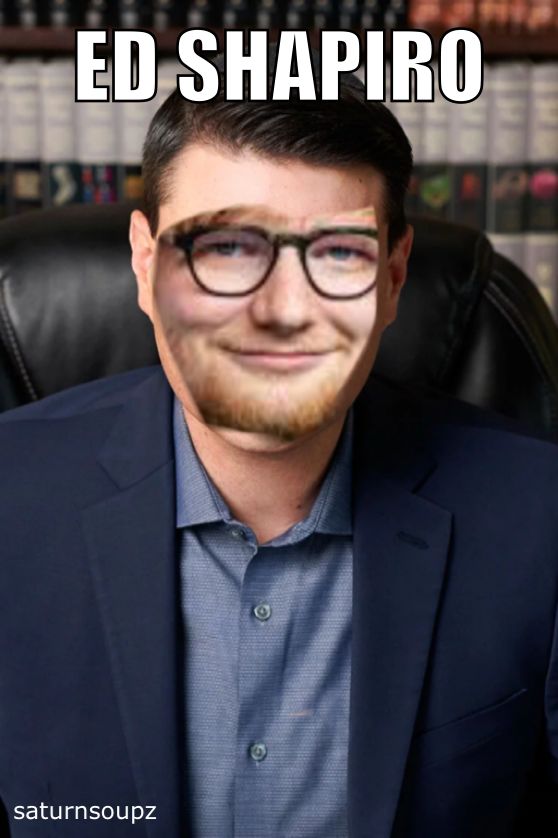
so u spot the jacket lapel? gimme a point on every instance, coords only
(131, 541)
(400, 544)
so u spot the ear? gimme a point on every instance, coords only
(143, 253)
(397, 273)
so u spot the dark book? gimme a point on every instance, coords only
(132, 14)
(468, 145)
(236, 14)
(298, 14)
(541, 258)
(395, 14)
(434, 189)
(508, 91)
(372, 14)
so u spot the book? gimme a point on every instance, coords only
(507, 158)
(468, 152)
(457, 14)
(3, 127)
(60, 172)
(425, 14)
(96, 146)
(433, 170)
(410, 115)
(541, 251)
(23, 171)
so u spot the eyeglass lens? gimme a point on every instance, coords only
(235, 260)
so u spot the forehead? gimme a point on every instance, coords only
(203, 179)
(260, 214)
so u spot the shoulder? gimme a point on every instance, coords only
(433, 408)
(453, 431)
(59, 435)
(102, 394)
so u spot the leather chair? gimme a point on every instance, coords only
(470, 323)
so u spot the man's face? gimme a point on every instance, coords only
(281, 362)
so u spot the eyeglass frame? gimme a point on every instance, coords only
(184, 241)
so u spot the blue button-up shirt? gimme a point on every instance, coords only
(267, 642)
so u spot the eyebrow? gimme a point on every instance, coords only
(260, 215)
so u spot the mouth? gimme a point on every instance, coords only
(277, 360)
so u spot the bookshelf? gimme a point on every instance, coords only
(50, 41)
(492, 164)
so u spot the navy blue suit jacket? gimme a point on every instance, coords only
(454, 690)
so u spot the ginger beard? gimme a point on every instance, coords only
(196, 331)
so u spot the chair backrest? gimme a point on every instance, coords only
(470, 323)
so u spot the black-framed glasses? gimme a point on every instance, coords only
(340, 263)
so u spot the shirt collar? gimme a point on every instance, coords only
(198, 500)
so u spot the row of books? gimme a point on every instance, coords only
(508, 15)
(512, 16)
(490, 164)
(493, 164)
(163, 14)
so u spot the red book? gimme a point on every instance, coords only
(460, 13)
(519, 12)
(425, 14)
(541, 15)
(494, 14)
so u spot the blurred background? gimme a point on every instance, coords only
(491, 164)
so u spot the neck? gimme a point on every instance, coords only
(269, 491)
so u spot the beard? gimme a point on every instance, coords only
(285, 406)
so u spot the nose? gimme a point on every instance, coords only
(286, 301)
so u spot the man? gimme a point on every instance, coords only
(257, 593)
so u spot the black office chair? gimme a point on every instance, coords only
(470, 323)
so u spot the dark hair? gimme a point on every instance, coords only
(348, 131)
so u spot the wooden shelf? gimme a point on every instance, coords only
(51, 41)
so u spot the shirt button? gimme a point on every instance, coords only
(262, 612)
(258, 751)
(237, 533)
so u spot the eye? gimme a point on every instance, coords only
(341, 253)
(226, 245)
(345, 250)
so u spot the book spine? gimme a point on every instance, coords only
(410, 115)
(131, 14)
(268, 15)
(468, 144)
(518, 14)
(23, 135)
(493, 14)
(434, 187)
(95, 124)
(60, 170)
(298, 13)
(132, 119)
(540, 16)
(164, 15)
(25, 13)
(507, 155)
(424, 14)
(542, 196)
(60, 13)
(3, 127)
(372, 15)
(395, 14)
(98, 14)
(459, 14)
